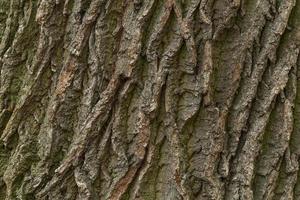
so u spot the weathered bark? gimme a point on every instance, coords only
(150, 99)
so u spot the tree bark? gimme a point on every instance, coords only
(149, 99)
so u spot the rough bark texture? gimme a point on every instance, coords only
(149, 99)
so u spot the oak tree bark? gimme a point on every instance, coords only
(149, 99)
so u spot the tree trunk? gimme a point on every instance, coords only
(149, 99)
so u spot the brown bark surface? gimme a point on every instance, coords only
(149, 99)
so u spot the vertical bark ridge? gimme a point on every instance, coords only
(149, 99)
(249, 82)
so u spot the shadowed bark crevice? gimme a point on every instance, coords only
(149, 99)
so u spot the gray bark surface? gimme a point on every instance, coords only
(149, 99)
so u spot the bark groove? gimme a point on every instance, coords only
(149, 99)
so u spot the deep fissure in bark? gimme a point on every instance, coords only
(149, 99)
